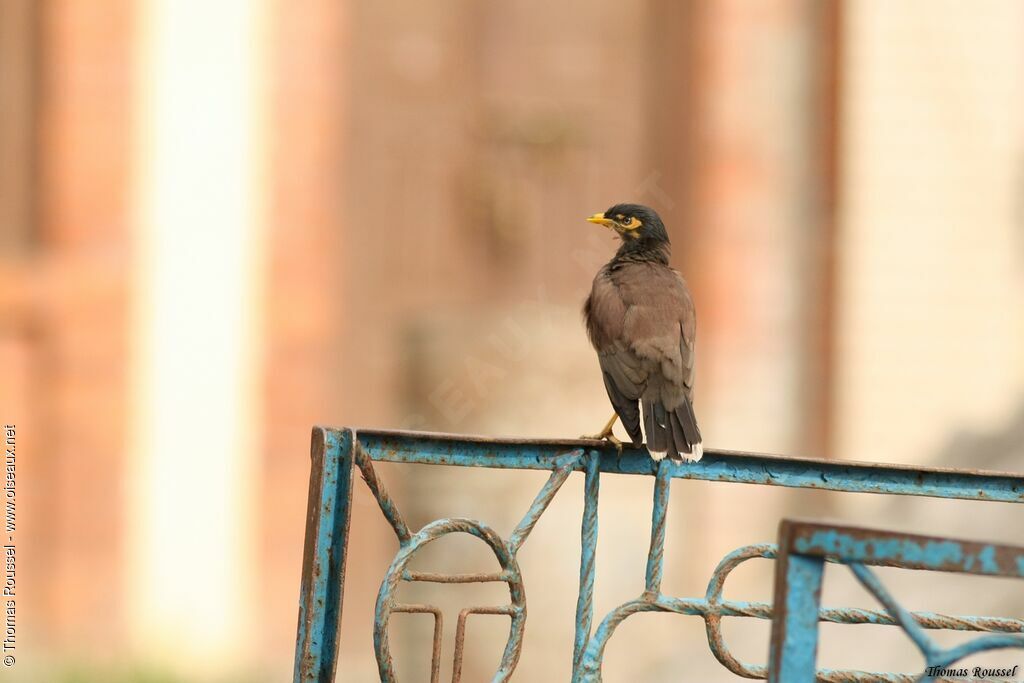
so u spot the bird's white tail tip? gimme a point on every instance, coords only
(694, 456)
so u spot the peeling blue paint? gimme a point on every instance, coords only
(938, 554)
(795, 624)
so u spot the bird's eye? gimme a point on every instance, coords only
(629, 222)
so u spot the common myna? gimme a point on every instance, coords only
(641, 321)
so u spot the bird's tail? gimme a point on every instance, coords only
(672, 432)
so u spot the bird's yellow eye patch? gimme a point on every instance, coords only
(618, 222)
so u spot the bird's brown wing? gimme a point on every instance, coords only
(624, 380)
(605, 313)
(647, 354)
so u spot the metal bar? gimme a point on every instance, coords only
(717, 465)
(659, 511)
(841, 615)
(796, 616)
(794, 645)
(763, 610)
(934, 655)
(846, 615)
(544, 497)
(909, 551)
(902, 616)
(700, 607)
(998, 641)
(460, 633)
(328, 515)
(387, 506)
(432, 577)
(435, 656)
(588, 553)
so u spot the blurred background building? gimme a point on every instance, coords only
(221, 223)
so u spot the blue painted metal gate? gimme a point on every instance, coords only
(800, 554)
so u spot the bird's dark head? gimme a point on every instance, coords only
(639, 227)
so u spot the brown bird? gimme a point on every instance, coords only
(641, 321)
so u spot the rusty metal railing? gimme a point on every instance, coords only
(804, 547)
(338, 453)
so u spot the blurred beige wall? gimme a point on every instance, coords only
(932, 258)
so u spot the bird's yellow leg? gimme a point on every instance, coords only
(606, 434)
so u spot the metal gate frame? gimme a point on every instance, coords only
(336, 453)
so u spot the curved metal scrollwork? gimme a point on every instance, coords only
(504, 551)
(396, 572)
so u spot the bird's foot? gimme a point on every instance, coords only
(606, 436)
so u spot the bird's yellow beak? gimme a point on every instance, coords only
(600, 219)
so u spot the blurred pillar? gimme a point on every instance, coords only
(305, 301)
(197, 286)
(23, 330)
(18, 38)
(742, 143)
(83, 101)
